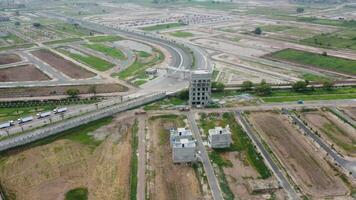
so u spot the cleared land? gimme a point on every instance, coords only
(59, 90)
(92, 157)
(67, 67)
(332, 63)
(310, 172)
(90, 60)
(166, 180)
(335, 130)
(22, 73)
(9, 58)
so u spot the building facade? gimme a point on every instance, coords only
(200, 88)
(219, 137)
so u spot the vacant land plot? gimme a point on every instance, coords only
(92, 157)
(332, 63)
(67, 40)
(350, 111)
(72, 29)
(166, 180)
(335, 130)
(275, 28)
(9, 58)
(12, 39)
(161, 26)
(183, 34)
(90, 60)
(60, 90)
(22, 73)
(310, 172)
(110, 51)
(67, 67)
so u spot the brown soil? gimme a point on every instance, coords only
(9, 58)
(350, 111)
(341, 134)
(303, 162)
(58, 90)
(167, 180)
(67, 67)
(49, 171)
(22, 73)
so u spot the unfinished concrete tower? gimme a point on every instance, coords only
(219, 137)
(200, 88)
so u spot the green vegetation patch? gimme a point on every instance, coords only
(20, 46)
(74, 29)
(275, 28)
(110, 51)
(162, 26)
(77, 194)
(183, 34)
(331, 22)
(105, 38)
(337, 64)
(67, 40)
(345, 39)
(134, 161)
(92, 61)
(13, 39)
(314, 77)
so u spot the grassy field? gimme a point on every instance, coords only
(105, 38)
(67, 40)
(275, 28)
(77, 194)
(19, 46)
(161, 26)
(110, 51)
(92, 61)
(13, 39)
(331, 22)
(182, 34)
(134, 162)
(72, 29)
(314, 77)
(337, 64)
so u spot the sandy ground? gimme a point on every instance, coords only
(303, 162)
(166, 180)
(67, 67)
(58, 90)
(49, 171)
(341, 134)
(9, 58)
(22, 73)
(350, 111)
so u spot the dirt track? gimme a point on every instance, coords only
(302, 161)
(9, 58)
(49, 171)
(67, 67)
(169, 181)
(22, 73)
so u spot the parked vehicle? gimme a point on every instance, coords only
(60, 110)
(25, 119)
(300, 102)
(7, 124)
(43, 114)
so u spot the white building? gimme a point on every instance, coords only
(219, 137)
(183, 151)
(180, 133)
(200, 88)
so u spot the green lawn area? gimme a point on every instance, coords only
(139, 82)
(314, 77)
(72, 29)
(275, 28)
(182, 34)
(110, 51)
(67, 40)
(161, 26)
(105, 38)
(143, 54)
(337, 64)
(13, 39)
(19, 46)
(345, 39)
(92, 61)
(317, 94)
(77, 194)
(332, 22)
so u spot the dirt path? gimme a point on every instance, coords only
(302, 161)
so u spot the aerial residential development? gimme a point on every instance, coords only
(177, 99)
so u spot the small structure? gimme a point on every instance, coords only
(200, 88)
(262, 186)
(4, 18)
(183, 145)
(219, 137)
(151, 71)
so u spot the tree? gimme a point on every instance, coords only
(300, 10)
(246, 86)
(37, 25)
(258, 31)
(328, 84)
(217, 86)
(324, 53)
(73, 92)
(17, 23)
(263, 89)
(300, 86)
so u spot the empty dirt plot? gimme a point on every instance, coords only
(304, 164)
(67, 67)
(9, 58)
(22, 73)
(53, 167)
(341, 134)
(167, 181)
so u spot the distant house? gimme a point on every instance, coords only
(219, 137)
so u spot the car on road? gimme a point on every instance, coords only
(300, 102)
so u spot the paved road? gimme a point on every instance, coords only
(346, 164)
(267, 158)
(141, 173)
(209, 170)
